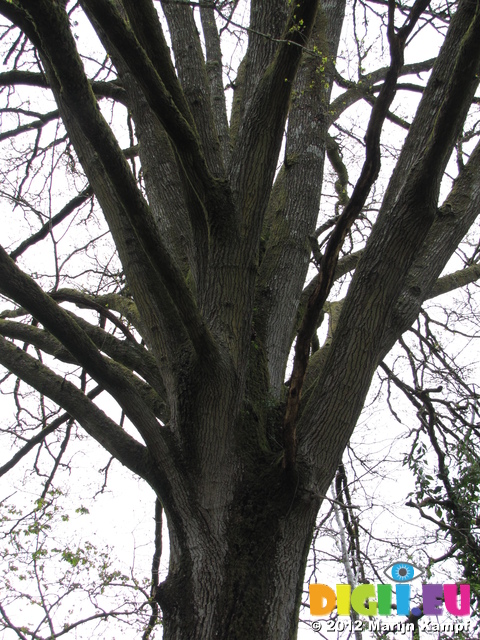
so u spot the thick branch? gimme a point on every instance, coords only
(169, 187)
(132, 357)
(31, 79)
(114, 439)
(143, 19)
(267, 24)
(292, 210)
(30, 334)
(87, 302)
(454, 281)
(454, 218)
(74, 92)
(367, 327)
(254, 157)
(215, 75)
(154, 314)
(192, 74)
(352, 209)
(21, 288)
(180, 130)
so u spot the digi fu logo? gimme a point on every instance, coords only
(372, 600)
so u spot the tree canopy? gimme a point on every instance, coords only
(220, 220)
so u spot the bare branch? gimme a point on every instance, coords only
(69, 208)
(40, 437)
(369, 174)
(122, 446)
(76, 94)
(26, 292)
(102, 89)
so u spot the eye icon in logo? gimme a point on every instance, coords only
(403, 572)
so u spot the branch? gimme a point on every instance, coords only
(155, 571)
(368, 175)
(455, 280)
(372, 317)
(190, 65)
(344, 265)
(73, 93)
(132, 357)
(259, 140)
(266, 28)
(36, 124)
(452, 222)
(21, 288)
(208, 199)
(114, 439)
(135, 358)
(10, 624)
(176, 122)
(164, 331)
(101, 88)
(400, 122)
(86, 302)
(366, 85)
(144, 22)
(69, 208)
(38, 337)
(40, 437)
(292, 210)
(96, 616)
(214, 68)
(166, 180)
(124, 305)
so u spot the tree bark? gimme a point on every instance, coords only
(214, 245)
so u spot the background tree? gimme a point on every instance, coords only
(185, 313)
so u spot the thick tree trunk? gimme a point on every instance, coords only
(241, 577)
(215, 262)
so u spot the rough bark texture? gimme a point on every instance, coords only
(215, 253)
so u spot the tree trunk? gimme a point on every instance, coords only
(241, 576)
(215, 261)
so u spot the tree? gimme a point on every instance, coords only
(191, 335)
